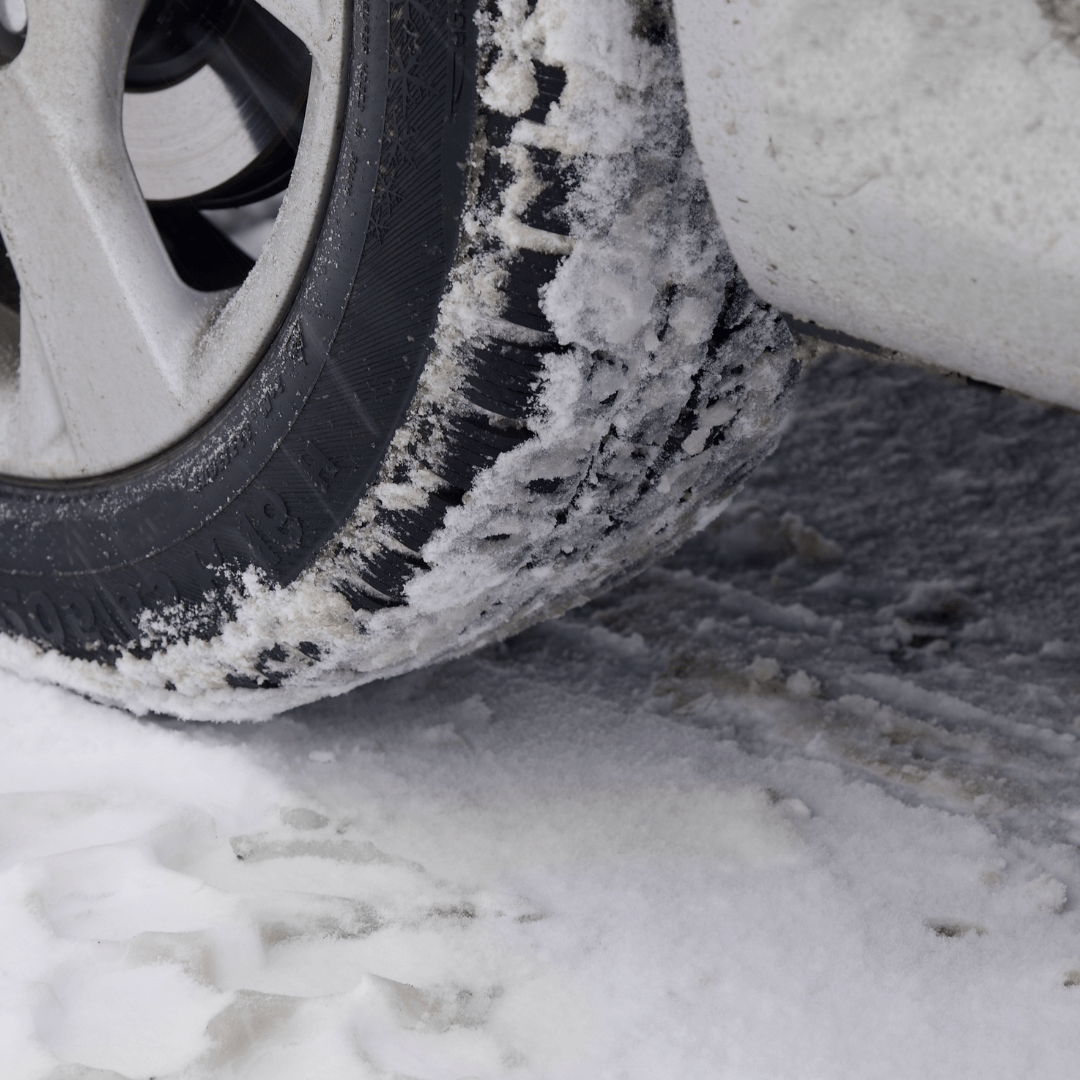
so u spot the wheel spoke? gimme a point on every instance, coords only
(39, 427)
(109, 319)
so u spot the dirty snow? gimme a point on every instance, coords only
(801, 801)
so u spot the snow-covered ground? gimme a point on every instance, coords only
(801, 802)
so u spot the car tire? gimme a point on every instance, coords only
(519, 364)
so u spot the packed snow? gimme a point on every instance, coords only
(801, 801)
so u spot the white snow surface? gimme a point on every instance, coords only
(801, 801)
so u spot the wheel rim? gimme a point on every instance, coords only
(132, 327)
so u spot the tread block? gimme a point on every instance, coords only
(474, 445)
(550, 83)
(360, 600)
(414, 527)
(534, 268)
(496, 178)
(499, 128)
(505, 377)
(507, 356)
(487, 439)
(547, 211)
(387, 571)
(501, 400)
(529, 272)
(492, 377)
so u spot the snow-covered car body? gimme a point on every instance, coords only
(902, 171)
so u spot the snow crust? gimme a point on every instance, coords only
(802, 800)
(645, 279)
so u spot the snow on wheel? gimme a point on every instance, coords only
(493, 357)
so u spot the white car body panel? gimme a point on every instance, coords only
(906, 172)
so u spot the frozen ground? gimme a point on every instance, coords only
(801, 802)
